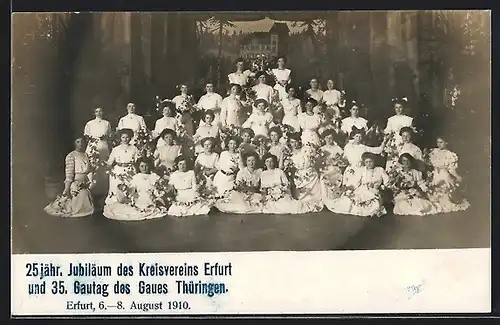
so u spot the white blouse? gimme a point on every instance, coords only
(97, 128)
(317, 95)
(331, 97)
(396, 122)
(332, 150)
(444, 159)
(376, 176)
(228, 161)
(354, 151)
(123, 154)
(349, 122)
(246, 177)
(207, 161)
(165, 123)
(291, 107)
(132, 121)
(282, 74)
(183, 180)
(272, 178)
(264, 91)
(210, 101)
(166, 155)
(309, 122)
(239, 78)
(259, 122)
(412, 149)
(230, 113)
(205, 130)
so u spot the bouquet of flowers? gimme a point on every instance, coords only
(126, 194)
(228, 131)
(339, 161)
(143, 143)
(318, 158)
(187, 105)
(250, 95)
(93, 154)
(288, 165)
(392, 148)
(162, 193)
(274, 193)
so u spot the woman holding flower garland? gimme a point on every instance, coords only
(444, 180)
(276, 147)
(246, 198)
(206, 162)
(354, 120)
(333, 100)
(142, 198)
(398, 121)
(211, 101)
(132, 122)
(310, 122)
(335, 164)
(185, 105)
(76, 200)
(314, 92)
(227, 166)
(362, 196)
(406, 146)
(168, 121)
(276, 191)
(231, 107)
(98, 131)
(291, 108)
(187, 200)
(283, 77)
(121, 161)
(206, 130)
(260, 120)
(306, 181)
(165, 155)
(409, 189)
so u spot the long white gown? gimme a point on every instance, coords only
(142, 206)
(331, 176)
(282, 76)
(353, 153)
(227, 166)
(187, 200)
(307, 185)
(291, 109)
(332, 101)
(246, 198)
(98, 130)
(123, 157)
(231, 111)
(364, 198)
(278, 198)
(444, 184)
(80, 203)
(310, 125)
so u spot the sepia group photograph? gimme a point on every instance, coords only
(158, 132)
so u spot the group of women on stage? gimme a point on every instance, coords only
(260, 149)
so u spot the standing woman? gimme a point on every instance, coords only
(240, 76)
(185, 104)
(314, 91)
(283, 77)
(211, 101)
(262, 89)
(398, 120)
(168, 121)
(76, 200)
(333, 100)
(132, 122)
(231, 107)
(121, 161)
(98, 131)
(309, 122)
(291, 108)
(354, 120)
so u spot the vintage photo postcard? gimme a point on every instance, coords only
(184, 163)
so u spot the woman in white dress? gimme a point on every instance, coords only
(185, 105)
(310, 122)
(314, 91)
(276, 147)
(246, 198)
(240, 76)
(262, 90)
(406, 146)
(409, 189)
(76, 200)
(283, 77)
(132, 122)
(291, 108)
(121, 161)
(209, 129)
(354, 150)
(445, 182)
(333, 100)
(363, 194)
(306, 181)
(227, 167)
(232, 108)
(164, 156)
(211, 101)
(331, 175)
(260, 120)
(98, 133)
(168, 121)
(205, 165)
(354, 120)
(187, 199)
(398, 121)
(276, 190)
(142, 198)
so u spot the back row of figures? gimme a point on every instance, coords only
(281, 171)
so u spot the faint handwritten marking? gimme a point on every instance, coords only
(414, 290)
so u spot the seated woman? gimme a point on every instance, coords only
(309, 122)
(227, 166)
(444, 181)
(205, 130)
(406, 146)
(187, 200)
(260, 120)
(246, 145)
(275, 188)
(306, 182)
(76, 200)
(206, 162)
(409, 189)
(362, 196)
(142, 198)
(246, 198)
(336, 163)
(165, 155)
(276, 147)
